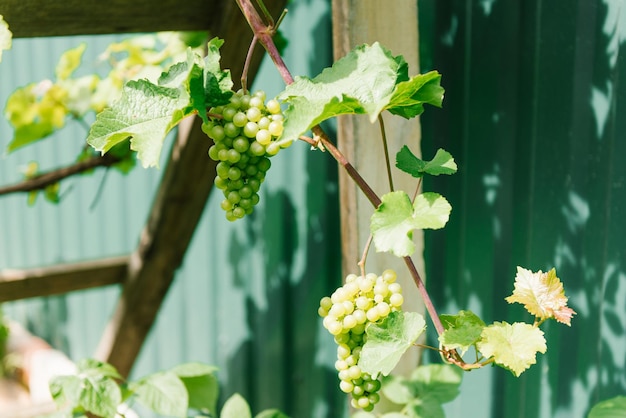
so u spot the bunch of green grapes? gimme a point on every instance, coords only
(245, 133)
(347, 312)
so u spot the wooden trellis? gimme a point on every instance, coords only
(147, 273)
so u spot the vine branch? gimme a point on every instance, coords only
(264, 35)
(43, 180)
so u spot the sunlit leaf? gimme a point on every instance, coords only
(461, 330)
(162, 392)
(394, 220)
(69, 61)
(368, 80)
(512, 346)
(542, 295)
(145, 113)
(236, 407)
(5, 36)
(387, 341)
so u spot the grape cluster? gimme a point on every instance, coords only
(347, 312)
(245, 133)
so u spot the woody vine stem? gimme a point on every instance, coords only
(263, 33)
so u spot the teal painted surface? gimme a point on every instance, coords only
(534, 115)
(246, 297)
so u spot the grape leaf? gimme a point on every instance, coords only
(442, 163)
(217, 82)
(462, 330)
(439, 382)
(388, 340)
(5, 36)
(236, 407)
(100, 396)
(69, 62)
(201, 383)
(409, 96)
(368, 80)
(542, 295)
(145, 113)
(162, 392)
(609, 408)
(512, 346)
(97, 368)
(394, 220)
(270, 413)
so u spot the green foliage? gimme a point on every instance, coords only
(420, 395)
(393, 222)
(462, 330)
(367, 80)
(442, 163)
(5, 36)
(388, 341)
(147, 112)
(96, 389)
(609, 408)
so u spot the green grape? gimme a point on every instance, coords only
(245, 133)
(346, 313)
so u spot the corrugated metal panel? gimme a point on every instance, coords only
(533, 116)
(246, 297)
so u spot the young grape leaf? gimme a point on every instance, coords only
(512, 346)
(462, 330)
(100, 396)
(236, 407)
(145, 113)
(442, 163)
(201, 383)
(609, 408)
(397, 389)
(66, 389)
(217, 82)
(69, 62)
(162, 392)
(393, 222)
(439, 382)
(271, 413)
(542, 295)
(409, 96)
(5, 36)
(388, 340)
(368, 80)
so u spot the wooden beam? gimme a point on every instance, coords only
(395, 27)
(61, 278)
(30, 18)
(175, 213)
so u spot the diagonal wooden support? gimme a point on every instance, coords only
(175, 213)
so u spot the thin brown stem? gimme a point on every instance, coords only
(383, 134)
(246, 65)
(264, 36)
(361, 262)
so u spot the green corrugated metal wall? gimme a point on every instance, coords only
(533, 114)
(246, 296)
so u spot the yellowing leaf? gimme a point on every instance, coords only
(69, 62)
(512, 346)
(542, 295)
(5, 36)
